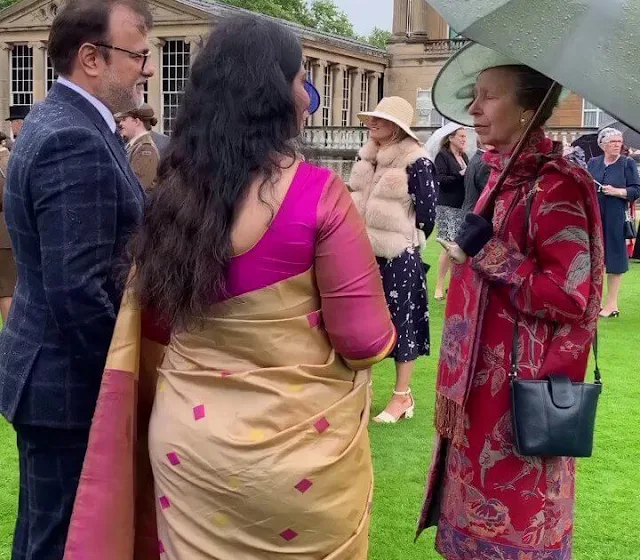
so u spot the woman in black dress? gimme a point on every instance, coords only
(394, 190)
(618, 185)
(451, 166)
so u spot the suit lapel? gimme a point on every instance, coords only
(119, 153)
(61, 93)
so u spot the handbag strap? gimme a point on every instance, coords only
(513, 374)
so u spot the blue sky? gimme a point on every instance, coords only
(367, 14)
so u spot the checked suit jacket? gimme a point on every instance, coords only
(71, 201)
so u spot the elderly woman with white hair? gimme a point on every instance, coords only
(618, 184)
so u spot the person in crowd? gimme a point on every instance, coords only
(576, 155)
(451, 165)
(262, 267)
(161, 141)
(393, 188)
(17, 114)
(539, 276)
(475, 178)
(7, 264)
(135, 126)
(71, 202)
(618, 185)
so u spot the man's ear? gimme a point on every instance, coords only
(90, 60)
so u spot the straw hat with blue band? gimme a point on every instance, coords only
(314, 95)
(452, 91)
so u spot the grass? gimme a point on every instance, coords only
(608, 493)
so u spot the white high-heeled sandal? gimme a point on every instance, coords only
(385, 418)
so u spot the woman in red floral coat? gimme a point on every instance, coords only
(488, 501)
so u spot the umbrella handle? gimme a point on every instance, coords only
(487, 209)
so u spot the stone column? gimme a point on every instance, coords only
(419, 17)
(39, 50)
(356, 94)
(436, 26)
(5, 83)
(338, 93)
(374, 80)
(155, 82)
(318, 71)
(195, 44)
(400, 18)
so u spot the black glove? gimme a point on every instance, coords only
(474, 233)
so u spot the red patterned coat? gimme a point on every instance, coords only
(494, 503)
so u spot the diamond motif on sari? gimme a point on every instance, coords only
(161, 549)
(315, 319)
(198, 412)
(164, 502)
(288, 535)
(303, 485)
(322, 425)
(173, 458)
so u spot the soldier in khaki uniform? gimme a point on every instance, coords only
(7, 265)
(135, 127)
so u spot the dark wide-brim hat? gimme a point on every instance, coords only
(18, 112)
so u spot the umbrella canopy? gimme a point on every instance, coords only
(589, 144)
(588, 46)
(631, 137)
(434, 142)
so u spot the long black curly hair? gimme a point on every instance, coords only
(237, 120)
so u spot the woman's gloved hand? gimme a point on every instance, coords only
(474, 233)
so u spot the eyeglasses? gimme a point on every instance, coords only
(143, 55)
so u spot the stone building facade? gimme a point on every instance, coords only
(348, 74)
(351, 76)
(423, 41)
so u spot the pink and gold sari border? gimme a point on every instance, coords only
(366, 363)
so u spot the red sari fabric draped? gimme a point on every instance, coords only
(490, 502)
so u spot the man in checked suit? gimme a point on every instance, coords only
(71, 201)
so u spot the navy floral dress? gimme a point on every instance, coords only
(403, 277)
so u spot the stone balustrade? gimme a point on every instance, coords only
(568, 135)
(335, 140)
(338, 141)
(445, 47)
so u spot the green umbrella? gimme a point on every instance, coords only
(588, 46)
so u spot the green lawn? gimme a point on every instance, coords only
(608, 504)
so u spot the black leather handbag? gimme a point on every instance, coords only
(629, 226)
(552, 417)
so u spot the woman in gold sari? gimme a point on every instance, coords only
(260, 262)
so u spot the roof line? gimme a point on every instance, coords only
(213, 7)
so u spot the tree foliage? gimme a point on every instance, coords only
(378, 38)
(291, 10)
(6, 3)
(326, 16)
(323, 15)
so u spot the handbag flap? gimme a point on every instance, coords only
(561, 390)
